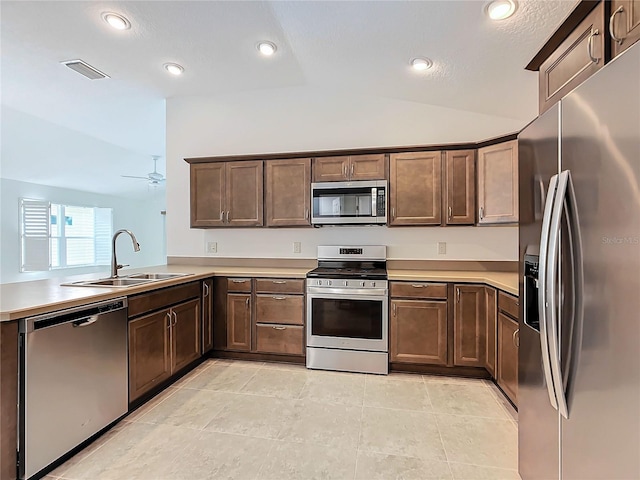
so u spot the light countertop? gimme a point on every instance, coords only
(22, 299)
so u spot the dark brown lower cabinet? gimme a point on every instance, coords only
(8, 396)
(239, 322)
(283, 339)
(207, 315)
(418, 332)
(185, 334)
(149, 352)
(469, 326)
(507, 368)
(492, 310)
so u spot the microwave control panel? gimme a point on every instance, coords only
(381, 205)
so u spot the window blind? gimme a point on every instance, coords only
(35, 217)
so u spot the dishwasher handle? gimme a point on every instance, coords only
(81, 316)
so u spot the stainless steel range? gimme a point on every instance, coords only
(348, 310)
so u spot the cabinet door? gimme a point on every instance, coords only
(149, 352)
(185, 334)
(331, 169)
(207, 194)
(288, 192)
(507, 375)
(416, 188)
(576, 59)
(244, 194)
(239, 322)
(492, 311)
(469, 326)
(461, 187)
(626, 24)
(367, 167)
(207, 315)
(418, 332)
(498, 183)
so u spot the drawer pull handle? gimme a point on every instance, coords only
(590, 46)
(516, 338)
(616, 39)
(279, 298)
(238, 281)
(417, 285)
(279, 328)
(247, 302)
(280, 281)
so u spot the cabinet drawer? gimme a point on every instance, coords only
(508, 304)
(284, 339)
(239, 284)
(280, 309)
(419, 290)
(572, 63)
(280, 285)
(165, 297)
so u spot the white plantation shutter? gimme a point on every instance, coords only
(35, 218)
(103, 231)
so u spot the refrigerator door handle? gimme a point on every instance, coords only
(542, 297)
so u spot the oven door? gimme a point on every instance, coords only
(349, 320)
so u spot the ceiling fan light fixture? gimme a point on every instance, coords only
(174, 68)
(267, 48)
(117, 21)
(501, 9)
(421, 63)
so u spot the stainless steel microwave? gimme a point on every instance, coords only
(349, 203)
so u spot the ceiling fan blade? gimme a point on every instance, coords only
(132, 176)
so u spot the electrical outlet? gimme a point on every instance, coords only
(442, 248)
(297, 247)
(212, 247)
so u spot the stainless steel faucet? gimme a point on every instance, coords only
(114, 262)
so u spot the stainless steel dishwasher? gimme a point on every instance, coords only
(73, 379)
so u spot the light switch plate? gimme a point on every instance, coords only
(297, 247)
(442, 248)
(212, 247)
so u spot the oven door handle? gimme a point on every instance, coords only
(352, 294)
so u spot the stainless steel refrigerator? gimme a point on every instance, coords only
(579, 357)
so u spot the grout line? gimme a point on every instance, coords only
(486, 466)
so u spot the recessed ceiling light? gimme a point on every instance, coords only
(174, 68)
(116, 20)
(501, 9)
(267, 48)
(421, 63)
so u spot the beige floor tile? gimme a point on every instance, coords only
(401, 432)
(277, 383)
(409, 377)
(151, 404)
(223, 377)
(502, 400)
(252, 415)
(293, 367)
(465, 400)
(305, 461)
(141, 452)
(462, 471)
(193, 373)
(334, 387)
(238, 363)
(188, 408)
(488, 442)
(323, 424)
(214, 455)
(379, 466)
(391, 392)
(453, 380)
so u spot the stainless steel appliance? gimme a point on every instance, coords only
(579, 359)
(344, 203)
(73, 380)
(348, 310)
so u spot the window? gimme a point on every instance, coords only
(64, 236)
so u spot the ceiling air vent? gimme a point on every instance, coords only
(85, 69)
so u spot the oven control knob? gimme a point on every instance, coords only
(362, 284)
(328, 282)
(373, 284)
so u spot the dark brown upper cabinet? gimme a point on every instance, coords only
(498, 183)
(415, 188)
(460, 193)
(288, 192)
(227, 194)
(625, 25)
(347, 168)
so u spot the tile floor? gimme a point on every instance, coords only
(247, 420)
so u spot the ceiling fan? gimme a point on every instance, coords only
(154, 178)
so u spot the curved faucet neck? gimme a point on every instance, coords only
(114, 262)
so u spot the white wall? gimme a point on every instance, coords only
(142, 217)
(296, 119)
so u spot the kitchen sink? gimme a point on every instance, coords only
(127, 281)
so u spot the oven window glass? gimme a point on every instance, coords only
(354, 202)
(346, 318)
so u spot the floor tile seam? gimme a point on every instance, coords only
(500, 401)
(354, 447)
(473, 416)
(264, 460)
(383, 452)
(238, 434)
(444, 449)
(162, 393)
(396, 409)
(505, 415)
(478, 465)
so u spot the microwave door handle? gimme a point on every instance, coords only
(542, 291)
(374, 195)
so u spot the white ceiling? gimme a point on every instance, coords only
(362, 47)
